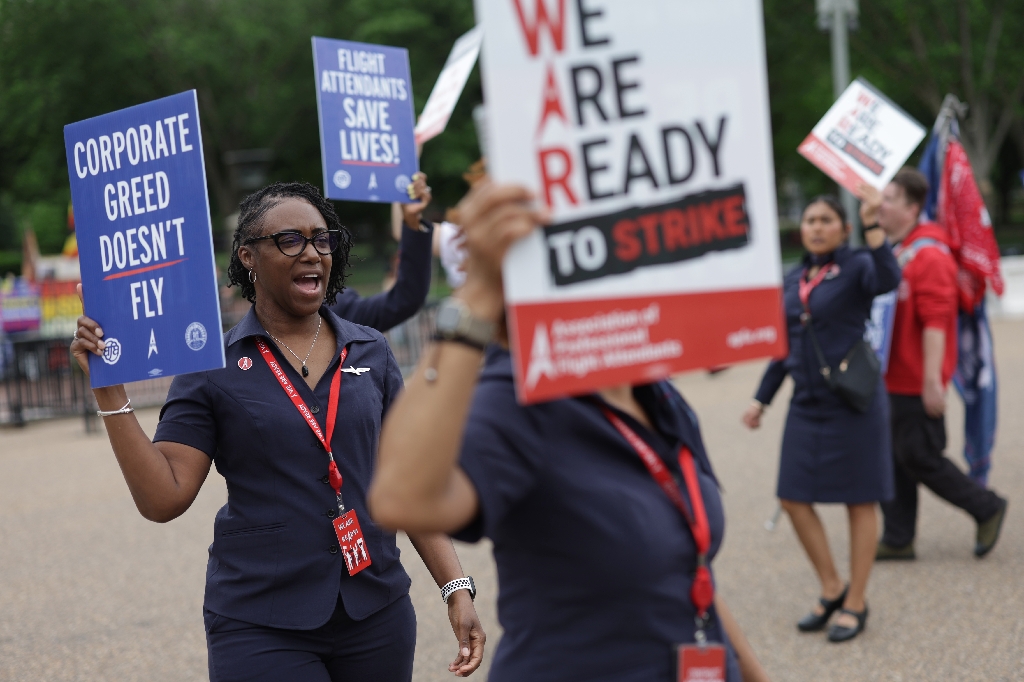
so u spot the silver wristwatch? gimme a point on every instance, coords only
(454, 322)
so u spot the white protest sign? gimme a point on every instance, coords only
(643, 125)
(449, 85)
(864, 137)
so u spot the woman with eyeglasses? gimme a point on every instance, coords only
(301, 584)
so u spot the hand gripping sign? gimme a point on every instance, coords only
(364, 103)
(145, 243)
(643, 125)
(864, 137)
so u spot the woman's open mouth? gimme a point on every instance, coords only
(308, 284)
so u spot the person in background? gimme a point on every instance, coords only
(301, 584)
(596, 554)
(922, 359)
(412, 283)
(830, 452)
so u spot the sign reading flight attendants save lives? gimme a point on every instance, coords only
(145, 243)
(643, 125)
(864, 137)
(364, 102)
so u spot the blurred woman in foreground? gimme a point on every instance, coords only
(830, 452)
(603, 509)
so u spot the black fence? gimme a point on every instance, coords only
(40, 379)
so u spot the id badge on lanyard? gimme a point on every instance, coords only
(701, 661)
(351, 542)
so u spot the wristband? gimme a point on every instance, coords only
(761, 406)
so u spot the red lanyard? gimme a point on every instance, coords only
(703, 591)
(334, 476)
(807, 287)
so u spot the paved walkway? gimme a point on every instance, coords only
(91, 591)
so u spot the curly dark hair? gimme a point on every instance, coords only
(254, 209)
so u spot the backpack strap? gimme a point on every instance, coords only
(906, 254)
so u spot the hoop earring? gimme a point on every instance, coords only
(252, 277)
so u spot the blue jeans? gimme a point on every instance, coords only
(379, 648)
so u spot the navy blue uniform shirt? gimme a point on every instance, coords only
(391, 308)
(274, 559)
(594, 561)
(840, 306)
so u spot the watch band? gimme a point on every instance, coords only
(459, 584)
(455, 322)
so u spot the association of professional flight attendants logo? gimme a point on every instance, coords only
(111, 351)
(195, 336)
(244, 363)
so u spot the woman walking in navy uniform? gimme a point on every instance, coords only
(301, 584)
(830, 452)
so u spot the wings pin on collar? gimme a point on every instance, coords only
(355, 370)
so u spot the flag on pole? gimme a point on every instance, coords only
(955, 203)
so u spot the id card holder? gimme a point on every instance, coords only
(701, 663)
(352, 542)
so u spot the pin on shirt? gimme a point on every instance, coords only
(355, 370)
(244, 363)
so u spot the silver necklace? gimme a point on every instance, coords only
(305, 370)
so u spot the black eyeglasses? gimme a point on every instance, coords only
(293, 243)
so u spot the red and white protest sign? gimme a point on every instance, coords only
(643, 125)
(449, 85)
(864, 137)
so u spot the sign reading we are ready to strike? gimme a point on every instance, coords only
(864, 137)
(145, 243)
(643, 125)
(364, 103)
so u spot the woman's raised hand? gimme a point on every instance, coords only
(88, 339)
(493, 218)
(420, 191)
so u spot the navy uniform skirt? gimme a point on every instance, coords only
(832, 454)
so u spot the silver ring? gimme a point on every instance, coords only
(76, 336)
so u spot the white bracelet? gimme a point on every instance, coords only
(127, 409)
(459, 584)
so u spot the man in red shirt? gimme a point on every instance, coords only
(922, 359)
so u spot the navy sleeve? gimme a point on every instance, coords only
(188, 415)
(500, 448)
(771, 381)
(391, 308)
(882, 273)
(393, 382)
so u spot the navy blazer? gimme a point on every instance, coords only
(274, 560)
(391, 308)
(840, 308)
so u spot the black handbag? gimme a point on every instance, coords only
(856, 378)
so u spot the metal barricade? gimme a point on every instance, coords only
(41, 381)
(408, 339)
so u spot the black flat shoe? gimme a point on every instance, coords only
(813, 622)
(841, 633)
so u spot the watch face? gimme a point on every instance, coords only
(472, 587)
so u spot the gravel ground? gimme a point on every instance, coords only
(91, 591)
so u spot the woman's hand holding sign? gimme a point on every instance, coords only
(88, 339)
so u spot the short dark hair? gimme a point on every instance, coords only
(914, 184)
(254, 209)
(832, 202)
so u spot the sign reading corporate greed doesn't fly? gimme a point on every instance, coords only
(364, 102)
(643, 125)
(138, 186)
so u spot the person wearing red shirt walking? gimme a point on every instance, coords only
(922, 359)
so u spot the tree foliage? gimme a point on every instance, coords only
(251, 64)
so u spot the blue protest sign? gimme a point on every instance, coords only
(145, 243)
(878, 330)
(364, 103)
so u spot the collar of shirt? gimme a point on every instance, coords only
(344, 331)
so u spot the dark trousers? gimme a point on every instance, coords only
(918, 442)
(379, 648)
